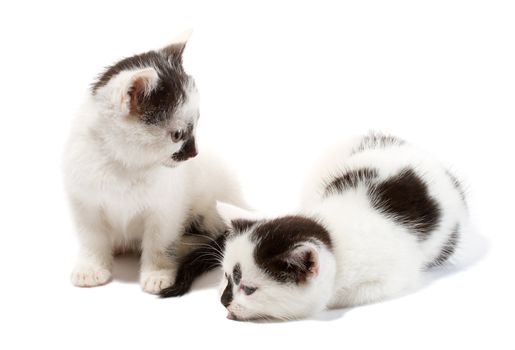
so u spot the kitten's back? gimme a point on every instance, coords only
(402, 183)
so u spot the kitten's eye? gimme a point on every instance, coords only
(248, 290)
(177, 135)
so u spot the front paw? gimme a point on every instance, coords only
(90, 276)
(155, 281)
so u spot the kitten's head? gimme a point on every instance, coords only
(148, 108)
(278, 268)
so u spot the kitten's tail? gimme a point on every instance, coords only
(195, 264)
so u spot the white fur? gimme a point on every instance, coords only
(373, 257)
(125, 190)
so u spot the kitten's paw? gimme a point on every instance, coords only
(155, 281)
(90, 276)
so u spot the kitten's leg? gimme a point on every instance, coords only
(158, 268)
(94, 264)
(194, 265)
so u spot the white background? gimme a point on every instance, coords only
(278, 82)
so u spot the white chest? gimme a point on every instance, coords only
(127, 199)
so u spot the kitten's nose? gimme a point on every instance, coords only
(188, 150)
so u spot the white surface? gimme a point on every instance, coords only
(277, 82)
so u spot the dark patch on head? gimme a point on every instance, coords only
(405, 198)
(457, 184)
(157, 106)
(275, 239)
(236, 274)
(377, 140)
(351, 179)
(448, 248)
(227, 296)
(187, 151)
(195, 264)
(242, 225)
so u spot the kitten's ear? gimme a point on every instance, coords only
(175, 50)
(233, 215)
(133, 86)
(303, 262)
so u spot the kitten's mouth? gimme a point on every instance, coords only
(170, 163)
(181, 156)
(232, 316)
(176, 157)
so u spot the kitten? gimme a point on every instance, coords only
(129, 172)
(375, 214)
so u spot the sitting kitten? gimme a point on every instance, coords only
(376, 213)
(126, 174)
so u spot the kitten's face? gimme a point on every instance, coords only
(150, 108)
(272, 268)
(246, 291)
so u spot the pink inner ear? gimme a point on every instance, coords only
(135, 93)
(315, 266)
(310, 260)
(306, 258)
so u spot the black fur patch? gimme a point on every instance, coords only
(158, 106)
(242, 225)
(227, 296)
(405, 198)
(275, 239)
(377, 140)
(194, 265)
(448, 248)
(236, 274)
(351, 179)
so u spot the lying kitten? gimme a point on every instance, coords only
(376, 213)
(126, 173)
